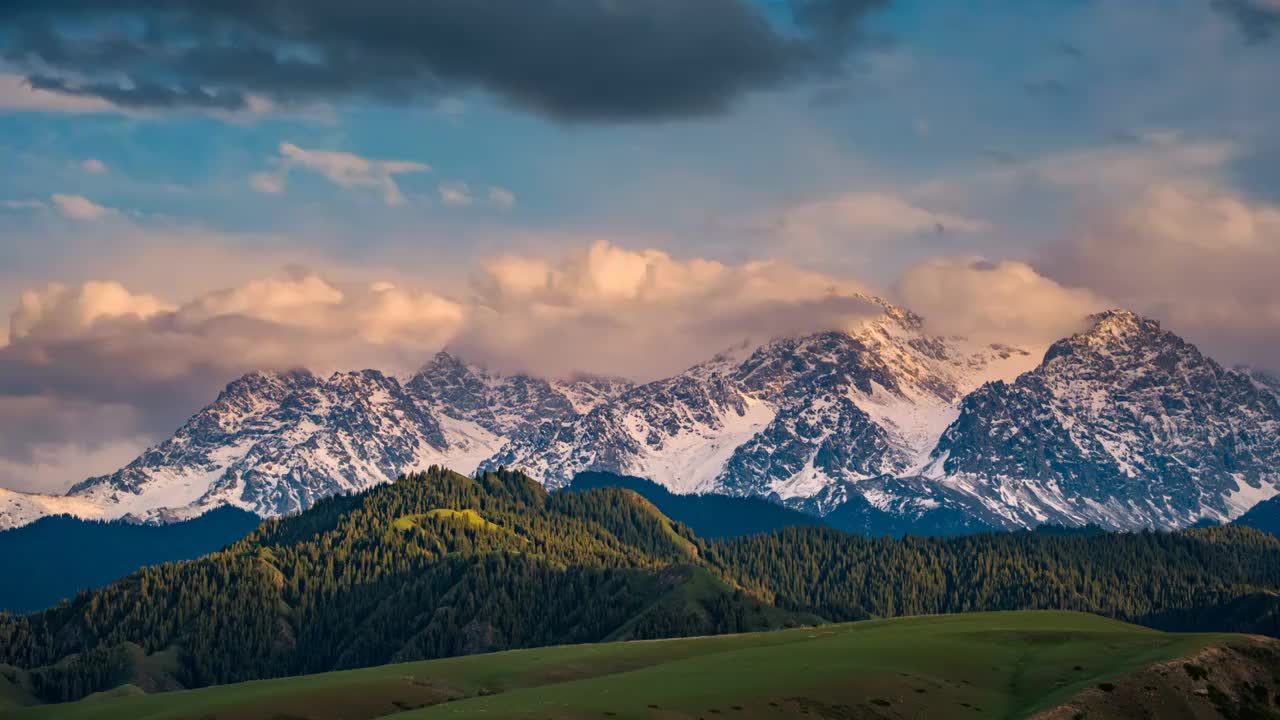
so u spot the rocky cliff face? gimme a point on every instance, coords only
(1125, 425)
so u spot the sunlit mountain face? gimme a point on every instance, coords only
(912, 264)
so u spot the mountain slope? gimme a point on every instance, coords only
(1124, 425)
(274, 443)
(19, 508)
(788, 417)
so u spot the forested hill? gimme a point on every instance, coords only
(440, 564)
(432, 565)
(1219, 578)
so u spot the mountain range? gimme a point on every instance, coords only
(1123, 425)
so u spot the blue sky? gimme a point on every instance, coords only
(940, 90)
(1038, 159)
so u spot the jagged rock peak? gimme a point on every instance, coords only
(268, 383)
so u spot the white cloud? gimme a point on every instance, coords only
(856, 228)
(455, 194)
(16, 94)
(269, 183)
(502, 197)
(94, 166)
(78, 207)
(344, 169)
(55, 467)
(1063, 181)
(1204, 260)
(870, 214)
(59, 311)
(1007, 302)
(645, 314)
(1153, 156)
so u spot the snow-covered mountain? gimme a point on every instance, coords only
(274, 443)
(786, 419)
(1122, 425)
(19, 508)
(1125, 425)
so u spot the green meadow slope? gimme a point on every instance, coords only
(982, 665)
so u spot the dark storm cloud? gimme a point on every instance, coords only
(146, 95)
(1258, 19)
(575, 60)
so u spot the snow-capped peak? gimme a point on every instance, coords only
(1123, 424)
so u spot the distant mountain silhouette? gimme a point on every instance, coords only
(1264, 516)
(709, 516)
(56, 557)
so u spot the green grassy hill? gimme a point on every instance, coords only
(983, 665)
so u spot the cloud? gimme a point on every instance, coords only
(1205, 260)
(456, 194)
(502, 197)
(344, 169)
(1007, 302)
(17, 93)
(94, 166)
(874, 214)
(60, 312)
(78, 207)
(606, 309)
(588, 60)
(1257, 19)
(23, 204)
(50, 443)
(1132, 165)
(869, 222)
(460, 194)
(1047, 192)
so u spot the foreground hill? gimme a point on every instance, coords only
(999, 665)
(440, 564)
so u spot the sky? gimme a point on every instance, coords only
(194, 190)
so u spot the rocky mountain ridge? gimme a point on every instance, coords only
(1123, 425)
